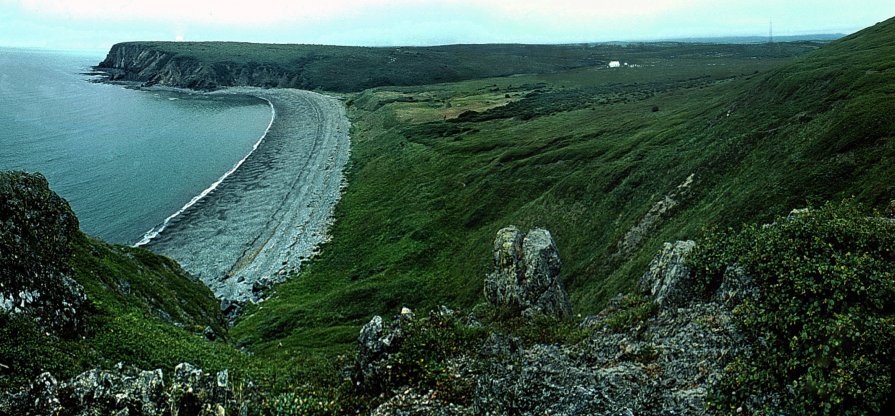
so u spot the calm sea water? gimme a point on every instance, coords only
(124, 159)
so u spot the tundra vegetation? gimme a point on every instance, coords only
(613, 161)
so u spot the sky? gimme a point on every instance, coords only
(97, 24)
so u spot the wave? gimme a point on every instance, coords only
(155, 231)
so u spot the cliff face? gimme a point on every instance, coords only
(142, 63)
(36, 229)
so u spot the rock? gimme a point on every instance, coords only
(798, 212)
(736, 286)
(664, 365)
(526, 274)
(411, 402)
(377, 342)
(130, 391)
(209, 333)
(499, 345)
(37, 228)
(231, 309)
(121, 390)
(38, 399)
(668, 279)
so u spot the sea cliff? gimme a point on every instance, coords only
(211, 65)
(142, 63)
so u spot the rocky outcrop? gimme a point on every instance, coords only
(660, 210)
(668, 280)
(526, 274)
(664, 361)
(36, 231)
(130, 391)
(142, 63)
(377, 342)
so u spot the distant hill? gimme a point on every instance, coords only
(820, 37)
(210, 65)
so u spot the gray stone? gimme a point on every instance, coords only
(377, 342)
(37, 228)
(668, 279)
(526, 274)
(129, 391)
(736, 286)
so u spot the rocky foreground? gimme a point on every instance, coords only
(661, 365)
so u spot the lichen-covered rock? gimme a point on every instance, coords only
(37, 399)
(129, 391)
(736, 286)
(103, 392)
(668, 279)
(664, 365)
(663, 361)
(377, 342)
(526, 274)
(194, 392)
(410, 402)
(36, 230)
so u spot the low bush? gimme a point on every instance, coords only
(823, 324)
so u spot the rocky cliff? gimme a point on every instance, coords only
(69, 302)
(139, 63)
(36, 231)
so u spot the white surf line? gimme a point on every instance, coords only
(155, 231)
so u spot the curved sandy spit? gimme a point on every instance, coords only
(274, 209)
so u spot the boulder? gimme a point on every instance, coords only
(526, 274)
(98, 391)
(126, 390)
(668, 279)
(736, 286)
(377, 343)
(37, 399)
(37, 228)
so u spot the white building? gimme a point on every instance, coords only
(615, 64)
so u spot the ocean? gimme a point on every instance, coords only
(124, 159)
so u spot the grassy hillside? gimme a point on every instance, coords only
(144, 310)
(613, 162)
(348, 68)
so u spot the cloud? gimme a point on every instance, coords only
(255, 12)
(209, 12)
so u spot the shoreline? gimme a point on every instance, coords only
(262, 219)
(155, 231)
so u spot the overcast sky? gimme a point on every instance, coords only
(97, 24)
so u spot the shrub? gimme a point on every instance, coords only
(292, 404)
(823, 326)
(429, 344)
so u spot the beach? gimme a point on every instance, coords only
(272, 210)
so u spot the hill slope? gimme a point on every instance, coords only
(613, 163)
(130, 305)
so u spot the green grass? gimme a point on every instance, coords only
(582, 154)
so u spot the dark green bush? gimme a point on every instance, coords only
(823, 326)
(422, 361)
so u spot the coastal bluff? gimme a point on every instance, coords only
(213, 65)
